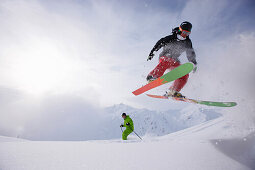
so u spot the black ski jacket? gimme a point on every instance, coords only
(173, 47)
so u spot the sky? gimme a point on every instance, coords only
(87, 55)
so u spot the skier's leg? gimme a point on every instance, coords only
(159, 69)
(179, 83)
(125, 134)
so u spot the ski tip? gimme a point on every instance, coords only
(149, 95)
(218, 104)
(230, 104)
(135, 93)
(189, 65)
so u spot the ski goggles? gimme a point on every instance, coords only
(184, 33)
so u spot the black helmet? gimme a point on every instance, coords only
(124, 114)
(186, 26)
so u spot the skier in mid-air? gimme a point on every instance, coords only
(173, 46)
(128, 123)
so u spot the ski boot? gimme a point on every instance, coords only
(150, 78)
(173, 93)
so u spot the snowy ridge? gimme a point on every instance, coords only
(78, 126)
(10, 139)
(156, 123)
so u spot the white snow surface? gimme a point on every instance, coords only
(202, 147)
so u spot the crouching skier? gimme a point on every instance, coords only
(128, 123)
(173, 46)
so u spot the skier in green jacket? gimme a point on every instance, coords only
(128, 123)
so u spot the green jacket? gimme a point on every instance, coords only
(130, 121)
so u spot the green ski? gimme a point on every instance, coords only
(208, 103)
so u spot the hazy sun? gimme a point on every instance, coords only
(39, 67)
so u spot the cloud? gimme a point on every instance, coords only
(64, 118)
(52, 117)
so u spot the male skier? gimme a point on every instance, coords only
(173, 46)
(128, 123)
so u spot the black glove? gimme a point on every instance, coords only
(150, 56)
(127, 124)
(121, 125)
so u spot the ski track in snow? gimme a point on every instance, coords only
(202, 147)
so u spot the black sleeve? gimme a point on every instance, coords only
(191, 55)
(161, 43)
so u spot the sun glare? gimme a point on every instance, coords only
(40, 68)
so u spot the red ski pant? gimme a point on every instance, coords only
(169, 63)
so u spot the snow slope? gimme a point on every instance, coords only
(10, 139)
(151, 122)
(202, 147)
(74, 124)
